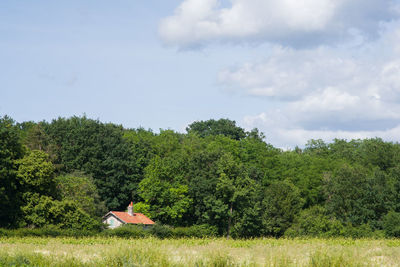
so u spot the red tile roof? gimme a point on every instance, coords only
(137, 218)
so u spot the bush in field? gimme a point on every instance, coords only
(42, 211)
(47, 231)
(128, 231)
(362, 231)
(161, 231)
(199, 231)
(391, 224)
(315, 222)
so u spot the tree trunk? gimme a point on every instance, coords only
(229, 221)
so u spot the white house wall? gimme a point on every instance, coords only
(112, 222)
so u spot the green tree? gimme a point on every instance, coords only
(80, 188)
(315, 222)
(346, 193)
(217, 127)
(317, 147)
(10, 151)
(43, 210)
(281, 204)
(232, 188)
(143, 146)
(341, 149)
(391, 224)
(36, 173)
(35, 138)
(99, 150)
(394, 187)
(304, 170)
(376, 152)
(165, 190)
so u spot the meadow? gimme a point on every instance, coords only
(101, 251)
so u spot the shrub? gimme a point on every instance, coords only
(42, 211)
(161, 231)
(314, 222)
(128, 231)
(391, 224)
(47, 231)
(362, 231)
(198, 231)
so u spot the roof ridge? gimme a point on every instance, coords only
(125, 217)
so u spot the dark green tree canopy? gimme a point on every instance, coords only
(36, 173)
(10, 150)
(217, 127)
(99, 150)
(216, 175)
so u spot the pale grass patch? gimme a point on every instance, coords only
(199, 252)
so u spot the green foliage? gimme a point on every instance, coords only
(239, 194)
(125, 231)
(346, 194)
(198, 231)
(360, 231)
(143, 147)
(143, 208)
(73, 170)
(359, 196)
(36, 173)
(305, 171)
(163, 189)
(47, 231)
(391, 224)
(41, 211)
(316, 147)
(81, 189)
(10, 151)
(97, 149)
(282, 202)
(128, 231)
(161, 231)
(220, 127)
(369, 152)
(315, 222)
(35, 138)
(376, 152)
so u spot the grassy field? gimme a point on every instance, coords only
(197, 252)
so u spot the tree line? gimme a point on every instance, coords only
(69, 172)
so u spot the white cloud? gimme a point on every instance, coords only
(326, 92)
(285, 136)
(290, 74)
(291, 22)
(332, 68)
(364, 104)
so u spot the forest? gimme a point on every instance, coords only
(69, 172)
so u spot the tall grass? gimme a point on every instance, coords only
(150, 251)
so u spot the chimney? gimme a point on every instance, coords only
(130, 209)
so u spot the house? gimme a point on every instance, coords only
(115, 219)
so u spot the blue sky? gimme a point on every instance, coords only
(296, 70)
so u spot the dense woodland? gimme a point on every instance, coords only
(69, 172)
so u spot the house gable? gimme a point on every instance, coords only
(112, 220)
(117, 218)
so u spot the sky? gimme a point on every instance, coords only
(296, 70)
